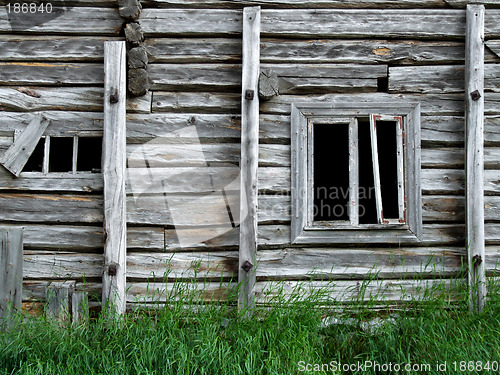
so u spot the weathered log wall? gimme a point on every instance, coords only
(345, 51)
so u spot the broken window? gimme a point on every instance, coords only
(66, 154)
(354, 172)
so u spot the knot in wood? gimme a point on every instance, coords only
(249, 94)
(113, 98)
(475, 95)
(247, 266)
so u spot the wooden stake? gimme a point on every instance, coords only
(474, 159)
(11, 273)
(114, 157)
(249, 156)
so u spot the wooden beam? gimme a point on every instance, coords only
(11, 273)
(474, 154)
(249, 156)
(16, 157)
(114, 158)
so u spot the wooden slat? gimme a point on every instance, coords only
(11, 274)
(15, 158)
(51, 48)
(299, 3)
(50, 74)
(474, 155)
(196, 102)
(202, 50)
(60, 265)
(438, 79)
(45, 208)
(87, 99)
(249, 156)
(375, 168)
(114, 175)
(353, 173)
(64, 20)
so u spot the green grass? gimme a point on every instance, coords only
(285, 339)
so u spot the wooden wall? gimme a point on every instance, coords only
(411, 51)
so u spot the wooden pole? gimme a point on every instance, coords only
(114, 157)
(249, 156)
(474, 159)
(11, 273)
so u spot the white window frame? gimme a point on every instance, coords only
(406, 228)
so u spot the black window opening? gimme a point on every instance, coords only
(66, 154)
(357, 171)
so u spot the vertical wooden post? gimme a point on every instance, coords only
(11, 273)
(249, 156)
(474, 159)
(114, 156)
(57, 298)
(80, 307)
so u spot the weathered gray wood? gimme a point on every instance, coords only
(11, 274)
(376, 170)
(249, 157)
(292, 78)
(195, 102)
(51, 73)
(58, 302)
(130, 10)
(61, 265)
(44, 208)
(67, 20)
(269, 84)
(463, 3)
(300, 3)
(137, 57)
(138, 81)
(146, 238)
(300, 264)
(436, 79)
(353, 172)
(474, 155)
(16, 157)
(79, 307)
(493, 46)
(34, 290)
(133, 33)
(51, 48)
(63, 98)
(329, 51)
(114, 160)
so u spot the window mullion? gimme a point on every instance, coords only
(75, 153)
(400, 164)
(353, 172)
(46, 155)
(310, 175)
(376, 170)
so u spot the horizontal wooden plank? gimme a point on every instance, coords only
(196, 102)
(53, 182)
(45, 208)
(297, 78)
(300, 264)
(296, 3)
(328, 51)
(61, 265)
(87, 99)
(51, 74)
(51, 48)
(327, 292)
(64, 20)
(145, 238)
(438, 79)
(34, 290)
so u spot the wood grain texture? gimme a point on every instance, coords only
(249, 157)
(64, 20)
(474, 155)
(87, 99)
(438, 79)
(51, 208)
(114, 175)
(11, 274)
(51, 48)
(16, 157)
